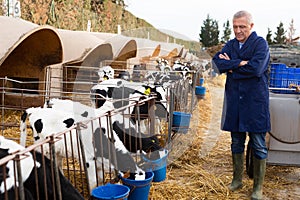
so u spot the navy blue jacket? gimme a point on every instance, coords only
(246, 100)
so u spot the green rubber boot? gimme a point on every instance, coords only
(259, 171)
(238, 165)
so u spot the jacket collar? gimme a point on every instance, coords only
(250, 39)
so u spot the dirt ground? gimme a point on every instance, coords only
(203, 169)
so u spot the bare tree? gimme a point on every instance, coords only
(291, 32)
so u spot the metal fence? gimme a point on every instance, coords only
(72, 146)
(73, 82)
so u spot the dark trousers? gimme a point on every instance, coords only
(257, 142)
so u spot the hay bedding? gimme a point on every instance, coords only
(192, 176)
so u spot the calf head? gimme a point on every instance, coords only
(105, 73)
(115, 151)
(132, 140)
(37, 127)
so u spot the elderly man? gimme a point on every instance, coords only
(245, 60)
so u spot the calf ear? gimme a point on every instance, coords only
(24, 116)
(119, 83)
(48, 104)
(85, 114)
(69, 122)
(3, 153)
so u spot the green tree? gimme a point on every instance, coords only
(209, 35)
(280, 34)
(269, 37)
(226, 33)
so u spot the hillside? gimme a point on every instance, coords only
(105, 16)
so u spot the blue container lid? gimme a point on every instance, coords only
(110, 191)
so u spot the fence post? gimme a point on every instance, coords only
(171, 109)
(193, 90)
(83, 156)
(20, 179)
(152, 116)
(113, 153)
(2, 105)
(55, 168)
(138, 115)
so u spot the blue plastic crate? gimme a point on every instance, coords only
(282, 76)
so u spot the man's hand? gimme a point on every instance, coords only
(243, 62)
(224, 56)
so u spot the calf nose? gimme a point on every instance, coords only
(36, 138)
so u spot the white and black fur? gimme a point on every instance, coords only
(30, 166)
(52, 120)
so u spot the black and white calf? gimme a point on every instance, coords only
(184, 70)
(125, 75)
(163, 65)
(35, 173)
(77, 108)
(134, 141)
(123, 127)
(105, 73)
(158, 78)
(122, 92)
(99, 141)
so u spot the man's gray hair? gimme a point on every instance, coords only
(243, 13)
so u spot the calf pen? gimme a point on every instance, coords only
(181, 98)
(74, 166)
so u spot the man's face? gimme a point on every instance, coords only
(241, 29)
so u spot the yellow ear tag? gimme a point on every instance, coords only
(148, 91)
(105, 78)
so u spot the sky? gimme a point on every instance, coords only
(187, 16)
